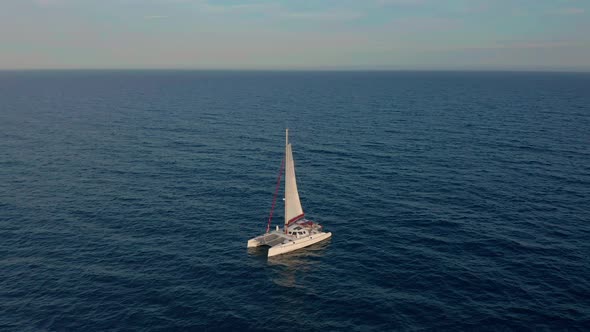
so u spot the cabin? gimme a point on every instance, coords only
(298, 231)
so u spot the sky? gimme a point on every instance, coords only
(295, 34)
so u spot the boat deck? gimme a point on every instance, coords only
(273, 239)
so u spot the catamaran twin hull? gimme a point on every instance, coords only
(298, 232)
(281, 243)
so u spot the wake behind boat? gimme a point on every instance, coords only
(298, 232)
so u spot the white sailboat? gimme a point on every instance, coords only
(298, 232)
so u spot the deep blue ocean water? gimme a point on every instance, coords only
(457, 200)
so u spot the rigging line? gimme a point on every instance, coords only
(274, 199)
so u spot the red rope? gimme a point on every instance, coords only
(274, 199)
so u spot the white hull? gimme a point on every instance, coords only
(281, 244)
(298, 244)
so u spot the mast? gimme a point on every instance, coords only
(293, 209)
(285, 159)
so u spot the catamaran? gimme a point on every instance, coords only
(298, 231)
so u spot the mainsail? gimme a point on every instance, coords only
(293, 210)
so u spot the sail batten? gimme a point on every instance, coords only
(293, 209)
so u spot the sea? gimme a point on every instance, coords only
(458, 201)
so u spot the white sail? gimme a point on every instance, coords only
(293, 210)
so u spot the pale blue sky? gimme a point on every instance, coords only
(289, 34)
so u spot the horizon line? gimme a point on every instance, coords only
(315, 69)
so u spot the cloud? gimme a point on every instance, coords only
(279, 11)
(323, 16)
(569, 11)
(528, 45)
(155, 17)
(247, 7)
(46, 3)
(400, 2)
